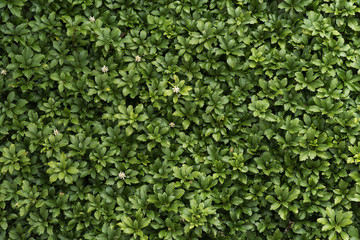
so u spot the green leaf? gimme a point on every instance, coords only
(353, 24)
(142, 138)
(346, 219)
(142, 117)
(72, 170)
(327, 227)
(232, 61)
(129, 130)
(275, 206)
(283, 213)
(68, 178)
(216, 136)
(344, 236)
(139, 108)
(322, 221)
(128, 221)
(333, 236)
(353, 232)
(144, 223)
(53, 177)
(330, 212)
(186, 124)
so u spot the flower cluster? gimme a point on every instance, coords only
(56, 132)
(176, 89)
(104, 69)
(122, 175)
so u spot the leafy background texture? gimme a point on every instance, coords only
(185, 119)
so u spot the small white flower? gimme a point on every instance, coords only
(92, 19)
(172, 124)
(104, 69)
(122, 175)
(56, 132)
(176, 89)
(137, 58)
(3, 72)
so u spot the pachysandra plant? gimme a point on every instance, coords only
(63, 169)
(179, 120)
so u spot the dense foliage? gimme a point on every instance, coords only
(179, 119)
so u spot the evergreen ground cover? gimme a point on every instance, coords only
(179, 119)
